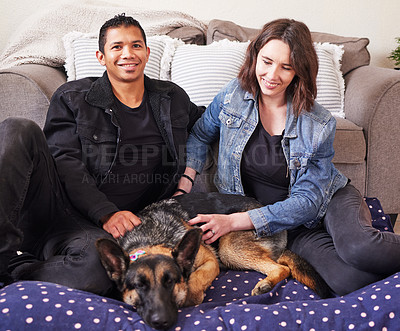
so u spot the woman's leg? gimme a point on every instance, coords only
(316, 246)
(348, 220)
(346, 250)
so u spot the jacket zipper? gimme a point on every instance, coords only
(115, 155)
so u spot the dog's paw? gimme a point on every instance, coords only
(263, 286)
(194, 299)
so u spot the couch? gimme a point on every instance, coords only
(371, 119)
(365, 142)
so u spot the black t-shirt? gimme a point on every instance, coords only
(264, 169)
(136, 176)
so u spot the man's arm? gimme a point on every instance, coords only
(62, 136)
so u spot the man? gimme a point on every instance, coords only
(114, 144)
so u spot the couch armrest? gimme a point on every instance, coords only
(25, 90)
(372, 101)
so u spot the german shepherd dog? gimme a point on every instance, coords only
(162, 264)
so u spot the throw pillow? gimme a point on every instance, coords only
(81, 58)
(330, 82)
(202, 70)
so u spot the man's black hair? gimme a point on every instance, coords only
(115, 22)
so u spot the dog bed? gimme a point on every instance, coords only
(228, 305)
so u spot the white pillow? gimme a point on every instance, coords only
(202, 70)
(330, 82)
(81, 58)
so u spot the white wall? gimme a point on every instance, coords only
(379, 20)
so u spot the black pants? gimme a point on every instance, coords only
(37, 217)
(345, 249)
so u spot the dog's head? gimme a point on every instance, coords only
(155, 284)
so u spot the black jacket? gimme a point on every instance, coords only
(83, 133)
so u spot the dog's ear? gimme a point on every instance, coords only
(114, 260)
(185, 252)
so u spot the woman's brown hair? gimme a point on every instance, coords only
(303, 58)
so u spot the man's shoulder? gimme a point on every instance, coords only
(162, 86)
(79, 85)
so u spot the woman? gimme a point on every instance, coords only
(276, 144)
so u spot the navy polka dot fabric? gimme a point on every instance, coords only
(228, 305)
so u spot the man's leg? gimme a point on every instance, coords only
(15, 171)
(36, 216)
(67, 255)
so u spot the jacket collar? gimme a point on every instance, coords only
(101, 95)
(291, 121)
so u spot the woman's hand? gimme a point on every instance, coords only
(216, 225)
(119, 223)
(186, 182)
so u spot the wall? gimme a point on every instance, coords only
(377, 20)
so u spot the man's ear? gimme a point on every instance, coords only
(100, 58)
(185, 252)
(148, 54)
(114, 260)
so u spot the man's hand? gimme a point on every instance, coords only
(120, 222)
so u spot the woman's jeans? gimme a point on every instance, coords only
(36, 216)
(345, 249)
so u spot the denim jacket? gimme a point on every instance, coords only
(307, 145)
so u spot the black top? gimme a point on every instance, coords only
(264, 169)
(136, 174)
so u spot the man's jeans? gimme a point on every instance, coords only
(37, 217)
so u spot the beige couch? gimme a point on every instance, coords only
(366, 141)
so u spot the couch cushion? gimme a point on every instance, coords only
(355, 49)
(349, 143)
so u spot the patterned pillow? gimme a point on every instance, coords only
(81, 58)
(203, 70)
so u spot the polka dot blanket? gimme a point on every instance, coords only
(228, 305)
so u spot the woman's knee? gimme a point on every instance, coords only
(350, 279)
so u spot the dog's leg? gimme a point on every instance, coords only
(242, 251)
(305, 273)
(205, 270)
